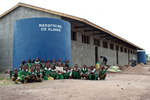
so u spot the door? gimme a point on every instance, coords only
(96, 54)
(117, 49)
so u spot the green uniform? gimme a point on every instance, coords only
(66, 74)
(59, 74)
(29, 65)
(47, 73)
(14, 76)
(53, 64)
(53, 73)
(37, 62)
(102, 72)
(32, 64)
(84, 70)
(67, 65)
(38, 73)
(76, 74)
(43, 65)
(22, 74)
(31, 76)
(93, 75)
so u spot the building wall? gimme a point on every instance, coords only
(6, 32)
(83, 53)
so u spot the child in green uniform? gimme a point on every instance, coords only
(14, 75)
(102, 73)
(38, 75)
(66, 73)
(53, 62)
(37, 61)
(32, 63)
(23, 75)
(47, 61)
(92, 74)
(59, 71)
(76, 72)
(31, 75)
(29, 63)
(23, 63)
(59, 61)
(64, 66)
(42, 64)
(84, 72)
(67, 63)
(53, 72)
(47, 70)
(20, 69)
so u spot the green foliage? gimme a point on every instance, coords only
(147, 56)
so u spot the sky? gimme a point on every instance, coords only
(129, 19)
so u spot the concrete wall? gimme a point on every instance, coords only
(6, 32)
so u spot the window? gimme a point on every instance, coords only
(128, 50)
(96, 42)
(131, 51)
(85, 39)
(121, 49)
(125, 50)
(105, 44)
(117, 48)
(112, 46)
(73, 36)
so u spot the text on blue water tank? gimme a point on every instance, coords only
(50, 27)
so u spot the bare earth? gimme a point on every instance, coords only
(128, 85)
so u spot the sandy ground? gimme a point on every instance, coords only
(128, 85)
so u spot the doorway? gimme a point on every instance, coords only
(96, 54)
(117, 49)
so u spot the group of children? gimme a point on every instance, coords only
(36, 71)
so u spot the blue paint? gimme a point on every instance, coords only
(141, 56)
(30, 42)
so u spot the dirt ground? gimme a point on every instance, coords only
(128, 85)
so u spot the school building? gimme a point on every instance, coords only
(88, 40)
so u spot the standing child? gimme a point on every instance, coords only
(67, 63)
(102, 73)
(29, 63)
(42, 64)
(76, 72)
(21, 67)
(53, 62)
(47, 61)
(84, 72)
(92, 74)
(32, 63)
(37, 61)
(59, 71)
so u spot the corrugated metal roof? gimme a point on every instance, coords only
(68, 16)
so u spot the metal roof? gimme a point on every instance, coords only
(68, 16)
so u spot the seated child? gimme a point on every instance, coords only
(53, 62)
(37, 61)
(47, 70)
(84, 72)
(14, 74)
(92, 74)
(21, 66)
(59, 71)
(38, 74)
(53, 72)
(66, 73)
(23, 75)
(67, 63)
(64, 66)
(102, 73)
(42, 64)
(76, 72)
(31, 75)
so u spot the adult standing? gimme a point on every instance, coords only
(104, 60)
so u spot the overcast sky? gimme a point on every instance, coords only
(129, 19)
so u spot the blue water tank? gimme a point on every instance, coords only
(43, 38)
(141, 56)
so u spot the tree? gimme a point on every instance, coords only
(147, 56)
